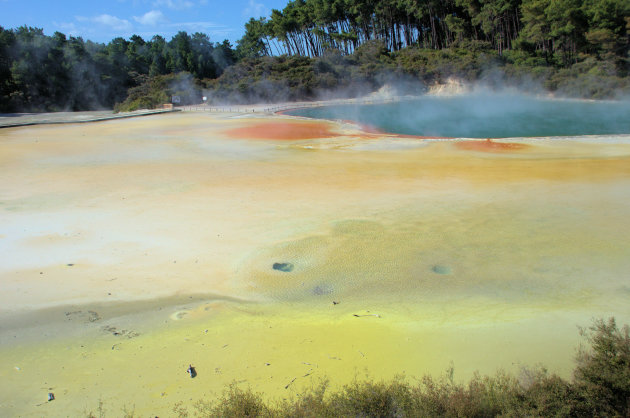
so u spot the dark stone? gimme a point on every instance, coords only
(285, 267)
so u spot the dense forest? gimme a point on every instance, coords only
(315, 48)
(39, 72)
(559, 29)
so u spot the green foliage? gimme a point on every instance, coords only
(234, 402)
(313, 48)
(252, 44)
(370, 399)
(548, 395)
(590, 78)
(270, 79)
(559, 29)
(434, 66)
(39, 72)
(310, 403)
(482, 396)
(152, 92)
(602, 375)
(285, 78)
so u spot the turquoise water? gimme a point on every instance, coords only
(485, 116)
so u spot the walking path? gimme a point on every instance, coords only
(280, 107)
(11, 120)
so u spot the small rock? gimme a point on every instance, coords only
(323, 289)
(284, 267)
(441, 269)
(93, 316)
(51, 396)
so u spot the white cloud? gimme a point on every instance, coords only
(113, 22)
(67, 28)
(216, 31)
(220, 34)
(204, 27)
(174, 4)
(254, 9)
(197, 25)
(152, 18)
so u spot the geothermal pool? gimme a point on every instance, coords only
(274, 252)
(484, 115)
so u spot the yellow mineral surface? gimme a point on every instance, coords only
(275, 252)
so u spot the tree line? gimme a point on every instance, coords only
(578, 48)
(39, 72)
(557, 29)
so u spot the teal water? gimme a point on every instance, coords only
(485, 116)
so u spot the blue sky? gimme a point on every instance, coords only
(101, 21)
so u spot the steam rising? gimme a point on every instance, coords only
(482, 113)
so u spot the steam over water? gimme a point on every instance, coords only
(485, 116)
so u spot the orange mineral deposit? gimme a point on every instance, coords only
(286, 131)
(490, 146)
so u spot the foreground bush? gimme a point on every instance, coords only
(602, 375)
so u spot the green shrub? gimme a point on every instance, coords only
(602, 375)
(234, 402)
(310, 403)
(551, 396)
(155, 91)
(370, 399)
